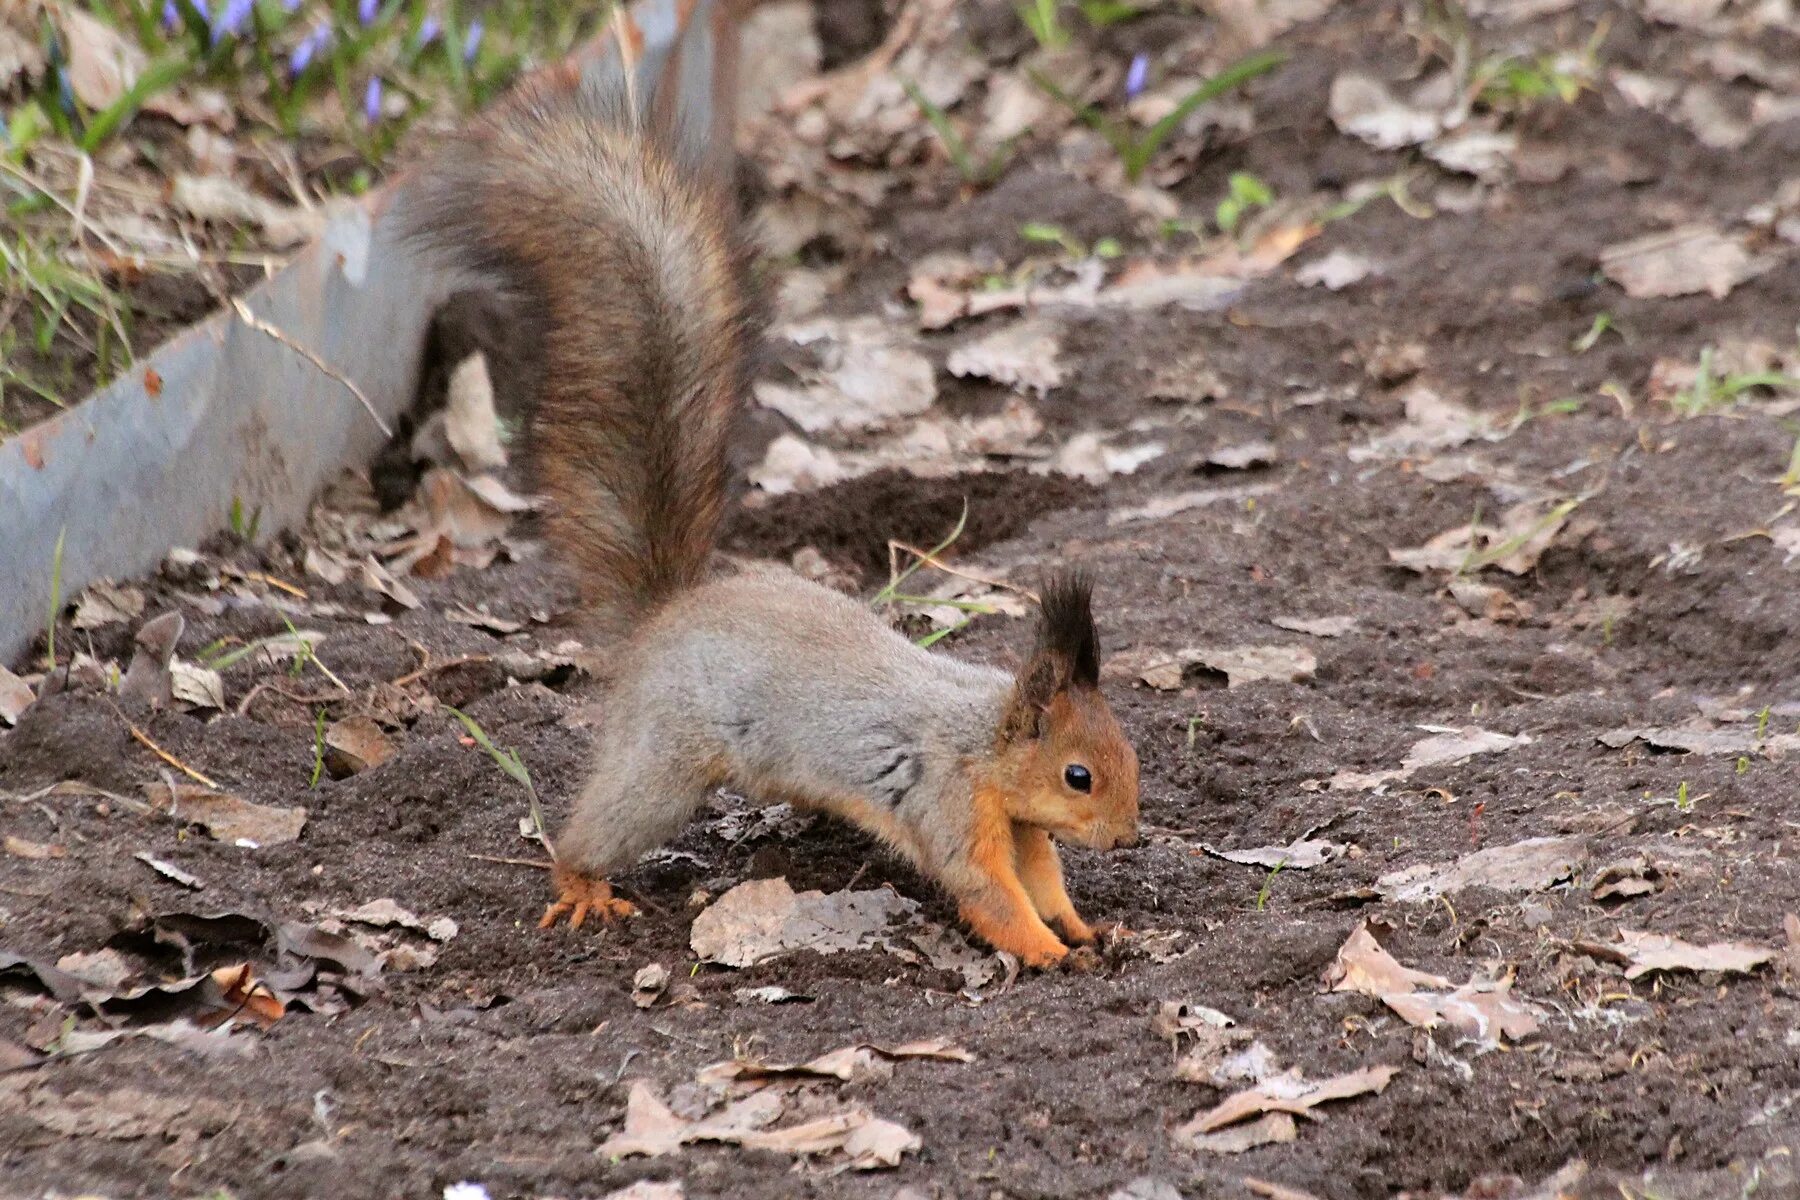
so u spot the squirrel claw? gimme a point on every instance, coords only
(577, 896)
(1082, 960)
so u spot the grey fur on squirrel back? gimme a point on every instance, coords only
(788, 690)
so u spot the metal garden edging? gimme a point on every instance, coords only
(226, 412)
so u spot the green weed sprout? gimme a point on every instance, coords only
(509, 762)
(1135, 150)
(976, 173)
(1246, 193)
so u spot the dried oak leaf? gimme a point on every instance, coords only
(226, 817)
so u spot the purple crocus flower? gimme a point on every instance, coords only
(1137, 76)
(231, 18)
(472, 41)
(288, 6)
(308, 49)
(367, 11)
(372, 100)
(171, 15)
(428, 30)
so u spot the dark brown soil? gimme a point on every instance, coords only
(507, 1061)
(158, 306)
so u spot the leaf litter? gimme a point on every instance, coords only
(1447, 746)
(1532, 865)
(766, 918)
(225, 817)
(1648, 952)
(1290, 1092)
(1484, 1011)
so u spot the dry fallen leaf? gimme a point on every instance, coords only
(15, 697)
(380, 580)
(1336, 271)
(471, 421)
(1290, 1093)
(1240, 665)
(864, 1060)
(1177, 1019)
(1701, 740)
(226, 817)
(1363, 966)
(648, 984)
(758, 920)
(1022, 356)
(107, 603)
(1514, 545)
(170, 871)
(1681, 262)
(1363, 107)
(1267, 1130)
(1242, 456)
(653, 1129)
(354, 745)
(649, 1189)
(1634, 876)
(869, 373)
(1486, 154)
(1528, 866)
(386, 913)
(1485, 1011)
(1280, 1191)
(1322, 627)
(1087, 456)
(1649, 952)
(1301, 854)
(1432, 423)
(194, 686)
(1445, 747)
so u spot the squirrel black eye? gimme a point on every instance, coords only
(1078, 777)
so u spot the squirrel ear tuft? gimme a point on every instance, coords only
(1067, 654)
(1066, 630)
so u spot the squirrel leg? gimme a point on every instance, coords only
(577, 895)
(623, 813)
(1040, 870)
(993, 900)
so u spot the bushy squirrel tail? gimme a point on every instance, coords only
(630, 264)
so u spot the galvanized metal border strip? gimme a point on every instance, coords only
(224, 412)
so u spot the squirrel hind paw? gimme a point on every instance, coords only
(577, 896)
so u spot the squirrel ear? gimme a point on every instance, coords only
(1066, 633)
(1067, 655)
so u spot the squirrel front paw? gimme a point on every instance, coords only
(1019, 933)
(577, 895)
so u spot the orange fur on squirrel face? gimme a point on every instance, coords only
(1078, 734)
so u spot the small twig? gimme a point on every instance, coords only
(271, 685)
(261, 326)
(299, 593)
(434, 668)
(537, 864)
(157, 750)
(932, 560)
(84, 183)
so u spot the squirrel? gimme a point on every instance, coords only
(634, 275)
